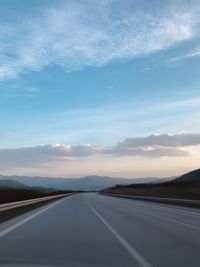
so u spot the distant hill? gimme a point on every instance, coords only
(186, 186)
(190, 177)
(92, 182)
(98, 182)
(12, 184)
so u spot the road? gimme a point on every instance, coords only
(91, 230)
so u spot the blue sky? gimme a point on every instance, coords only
(74, 73)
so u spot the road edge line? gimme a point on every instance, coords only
(16, 225)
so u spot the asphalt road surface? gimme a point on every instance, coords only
(91, 230)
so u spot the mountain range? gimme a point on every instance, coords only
(90, 183)
(93, 182)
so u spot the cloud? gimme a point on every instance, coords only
(38, 155)
(4, 134)
(62, 150)
(157, 145)
(31, 90)
(165, 140)
(19, 91)
(191, 54)
(165, 145)
(81, 34)
(152, 152)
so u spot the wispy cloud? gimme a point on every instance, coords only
(31, 90)
(4, 134)
(191, 54)
(110, 123)
(19, 91)
(80, 34)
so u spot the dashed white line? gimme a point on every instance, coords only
(134, 254)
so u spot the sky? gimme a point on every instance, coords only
(107, 87)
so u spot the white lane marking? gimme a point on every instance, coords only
(164, 218)
(170, 220)
(168, 208)
(16, 225)
(160, 206)
(135, 255)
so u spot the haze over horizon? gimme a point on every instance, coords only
(99, 87)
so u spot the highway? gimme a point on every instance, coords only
(92, 230)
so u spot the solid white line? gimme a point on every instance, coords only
(134, 254)
(16, 225)
(163, 217)
(168, 219)
(168, 208)
(158, 198)
(164, 205)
